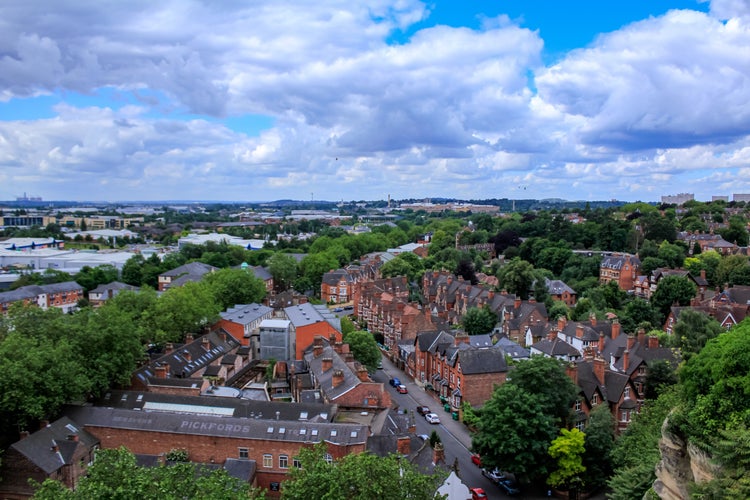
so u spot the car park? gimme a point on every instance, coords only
(432, 418)
(394, 382)
(401, 388)
(509, 487)
(478, 494)
(423, 410)
(493, 475)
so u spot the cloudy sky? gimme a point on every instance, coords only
(242, 100)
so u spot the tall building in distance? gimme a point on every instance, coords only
(677, 199)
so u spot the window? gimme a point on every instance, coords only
(595, 399)
(578, 405)
(283, 462)
(581, 426)
(296, 463)
(329, 458)
(244, 453)
(268, 460)
(627, 393)
(623, 416)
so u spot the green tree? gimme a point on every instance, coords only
(283, 268)
(599, 442)
(672, 290)
(692, 330)
(90, 278)
(567, 451)
(479, 320)
(517, 277)
(706, 261)
(131, 270)
(230, 287)
(730, 268)
(660, 377)
(181, 310)
(731, 452)
(364, 348)
(313, 267)
(546, 379)
(351, 478)
(736, 231)
(514, 433)
(116, 475)
(637, 312)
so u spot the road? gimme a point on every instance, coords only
(454, 435)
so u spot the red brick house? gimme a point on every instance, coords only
(61, 451)
(64, 296)
(622, 268)
(336, 287)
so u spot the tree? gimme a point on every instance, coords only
(730, 268)
(131, 270)
(364, 348)
(314, 266)
(567, 450)
(598, 443)
(731, 452)
(90, 278)
(514, 432)
(692, 330)
(180, 311)
(115, 475)
(351, 478)
(479, 320)
(736, 232)
(230, 287)
(661, 376)
(546, 379)
(465, 269)
(637, 312)
(671, 290)
(283, 268)
(517, 277)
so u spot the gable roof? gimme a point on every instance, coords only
(476, 360)
(51, 447)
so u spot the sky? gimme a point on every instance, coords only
(254, 100)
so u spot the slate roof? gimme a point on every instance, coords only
(557, 287)
(192, 271)
(38, 447)
(512, 349)
(241, 408)
(482, 360)
(325, 378)
(114, 286)
(556, 348)
(333, 278)
(207, 425)
(244, 314)
(262, 273)
(617, 261)
(31, 292)
(303, 315)
(242, 469)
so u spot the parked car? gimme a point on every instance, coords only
(338, 309)
(478, 494)
(476, 460)
(493, 475)
(394, 382)
(432, 418)
(401, 388)
(348, 308)
(423, 410)
(509, 487)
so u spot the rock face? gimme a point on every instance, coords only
(681, 464)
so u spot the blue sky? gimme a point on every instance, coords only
(249, 101)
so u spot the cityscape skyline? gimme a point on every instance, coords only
(286, 100)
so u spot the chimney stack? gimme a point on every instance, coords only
(642, 337)
(317, 350)
(168, 348)
(599, 365)
(653, 341)
(23, 434)
(461, 338)
(338, 378)
(206, 343)
(362, 374)
(189, 338)
(600, 347)
(186, 355)
(615, 329)
(438, 454)
(326, 364)
(631, 342)
(73, 437)
(403, 446)
(571, 370)
(579, 331)
(625, 360)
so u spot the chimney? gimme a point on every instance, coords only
(338, 347)
(338, 378)
(571, 370)
(223, 335)
(601, 342)
(438, 454)
(403, 445)
(363, 375)
(561, 320)
(189, 338)
(642, 337)
(161, 371)
(599, 365)
(206, 343)
(631, 342)
(326, 364)
(43, 424)
(579, 331)
(23, 434)
(318, 340)
(592, 319)
(517, 303)
(703, 274)
(551, 335)
(615, 328)
(653, 342)
(490, 295)
(317, 350)
(626, 359)
(186, 355)
(332, 338)
(461, 338)
(54, 448)
(168, 348)
(73, 437)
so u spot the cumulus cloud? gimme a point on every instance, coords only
(447, 112)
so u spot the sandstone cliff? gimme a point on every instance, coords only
(681, 464)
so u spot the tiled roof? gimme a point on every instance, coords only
(38, 447)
